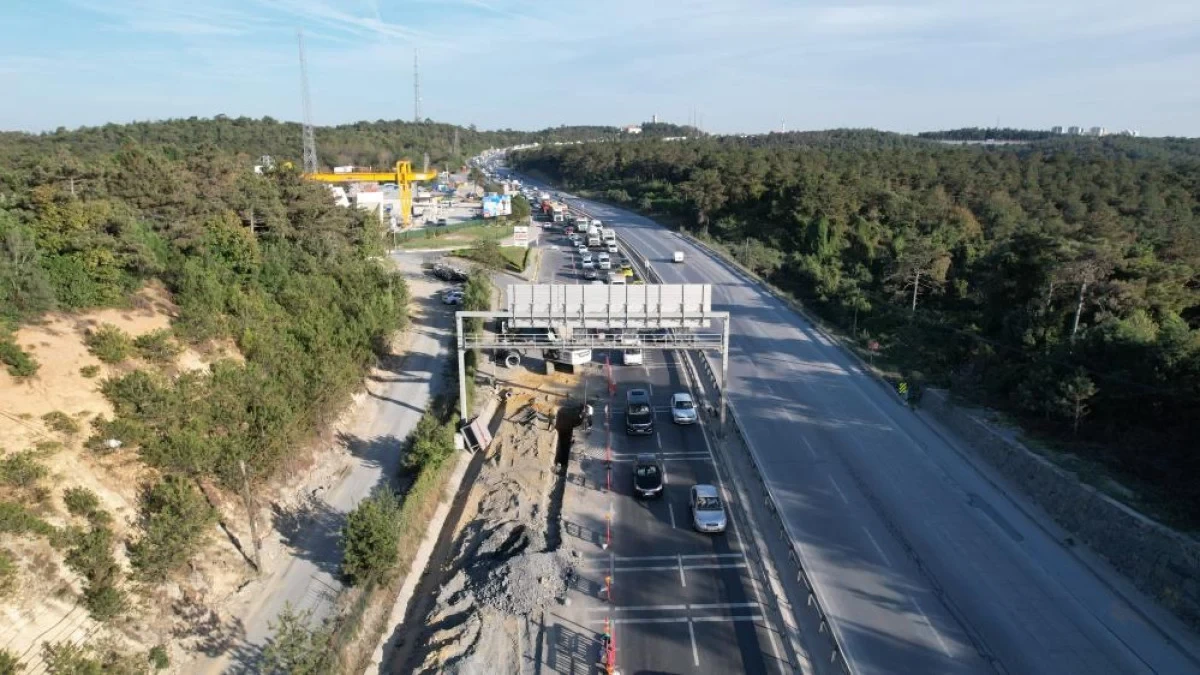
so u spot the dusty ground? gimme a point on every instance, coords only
(44, 607)
(506, 563)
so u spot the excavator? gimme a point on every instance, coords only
(404, 176)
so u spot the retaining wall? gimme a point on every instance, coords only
(1158, 560)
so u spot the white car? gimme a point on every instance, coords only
(632, 355)
(604, 262)
(683, 408)
(587, 264)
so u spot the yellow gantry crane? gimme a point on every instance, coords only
(404, 177)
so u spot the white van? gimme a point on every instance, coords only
(616, 279)
(604, 262)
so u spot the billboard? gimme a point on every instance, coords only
(605, 306)
(496, 205)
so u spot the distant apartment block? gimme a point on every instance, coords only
(1056, 130)
(1097, 131)
(1075, 131)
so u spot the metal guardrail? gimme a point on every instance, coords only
(795, 556)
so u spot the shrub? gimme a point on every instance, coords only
(20, 364)
(370, 537)
(174, 519)
(128, 431)
(90, 371)
(9, 665)
(104, 601)
(17, 519)
(61, 422)
(81, 501)
(297, 647)
(21, 470)
(159, 658)
(430, 443)
(8, 578)
(157, 346)
(109, 343)
(64, 658)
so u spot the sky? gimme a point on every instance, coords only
(744, 66)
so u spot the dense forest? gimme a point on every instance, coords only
(1057, 281)
(378, 144)
(266, 262)
(988, 134)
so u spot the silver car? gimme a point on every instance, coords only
(708, 512)
(683, 408)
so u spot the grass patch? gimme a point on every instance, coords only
(467, 234)
(90, 371)
(59, 421)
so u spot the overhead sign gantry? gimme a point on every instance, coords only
(657, 317)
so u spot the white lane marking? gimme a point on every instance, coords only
(682, 579)
(671, 510)
(649, 384)
(695, 652)
(658, 437)
(877, 547)
(665, 455)
(936, 634)
(809, 446)
(707, 566)
(674, 608)
(679, 619)
(665, 481)
(645, 558)
(736, 532)
(839, 490)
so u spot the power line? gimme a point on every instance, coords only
(416, 90)
(309, 138)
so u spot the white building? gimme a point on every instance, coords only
(1075, 131)
(1056, 130)
(632, 129)
(1097, 131)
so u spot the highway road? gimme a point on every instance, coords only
(922, 565)
(683, 602)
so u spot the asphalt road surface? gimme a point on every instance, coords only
(683, 602)
(922, 565)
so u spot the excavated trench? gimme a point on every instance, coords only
(488, 563)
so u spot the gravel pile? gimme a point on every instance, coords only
(525, 584)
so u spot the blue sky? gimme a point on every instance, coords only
(903, 65)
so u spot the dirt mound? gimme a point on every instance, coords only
(503, 570)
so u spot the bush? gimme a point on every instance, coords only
(8, 579)
(21, 470)
(20, 364)
(90, 371)
(64, 658)
(9, 665)
(157, 346)
(430, 442)
(297, 647)
(104, 601)
(128, 431)
(370, 537)
(81, 501)
(174, 520)
(92, 558)
(109, 343)
(61, 422)
(17, 519)
(158, 657)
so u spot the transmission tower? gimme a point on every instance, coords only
(310, 141)
(416, 90)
